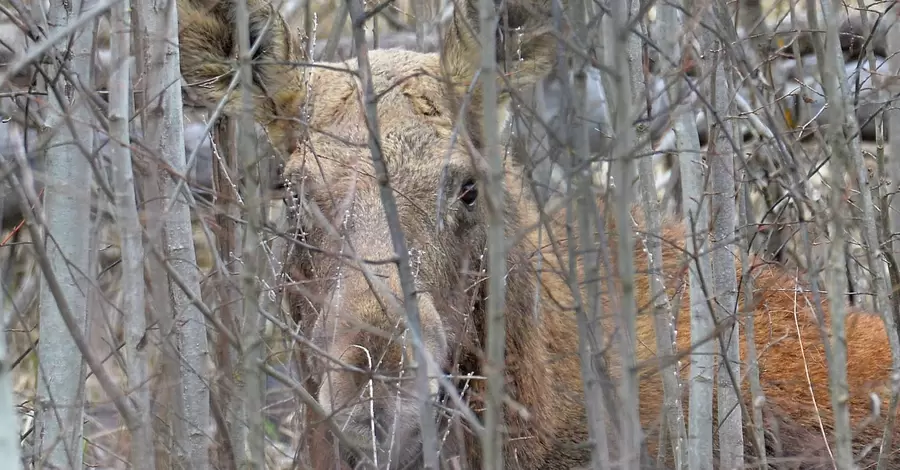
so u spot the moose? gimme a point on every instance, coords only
(345, 290)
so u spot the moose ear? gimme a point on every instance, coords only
(526, 46)
(208, 48)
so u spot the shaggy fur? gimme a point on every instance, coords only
(353, 316)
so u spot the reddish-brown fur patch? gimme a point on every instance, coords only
(792, 366)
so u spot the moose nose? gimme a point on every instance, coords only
(369, 361)
(362, 397)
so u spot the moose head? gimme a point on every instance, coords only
(348, 293)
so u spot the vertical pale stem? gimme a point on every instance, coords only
(687, 146)
(892, 117)
(60, 394)
(249, 387)
(838, 141)
(720, 159)
(756, 392)
(133, 303)
(663, 318)
(700, 410)
(889, 167)
(164, 130)
(620, 58)
(588, 311)
(696, 451)
(492, 442)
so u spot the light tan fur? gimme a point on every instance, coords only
(331, 172)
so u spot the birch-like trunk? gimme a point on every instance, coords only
(491, 441)
(874, 253)
(697, 449)
(720, 159)
(663, 319)
(693, 170)
(165, 388)
(700, 411)
(623, 57)
(67, 206)
(249, 389)
(132, 249)
(892, 117)
(687, 147)
(889, 166)
(757, 398)
(839, 140)
(164, 130)
(588, 310)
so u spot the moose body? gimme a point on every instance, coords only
(345, 290)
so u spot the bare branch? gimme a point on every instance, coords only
(133, 302)
(840, 140)
(624, 57)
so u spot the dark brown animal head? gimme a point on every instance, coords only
(350, 300)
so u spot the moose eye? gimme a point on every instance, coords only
(468, 193)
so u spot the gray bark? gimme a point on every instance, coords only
(698, 446)
(248, 430)
(164, 130)
(700, 413)
(757, 398)
(686, 140)
(132, 249)
(492, 443)
(624, 57)
(892, 116)
(67, 202)
(720, 159)
(838, 139)
(166, 389)
(588, 310)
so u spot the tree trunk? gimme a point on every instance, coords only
(164, 130)
(67, 206)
